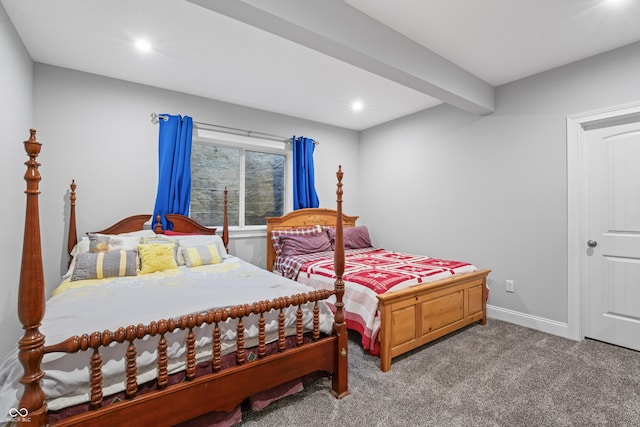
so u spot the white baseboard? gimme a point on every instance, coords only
(528, 321)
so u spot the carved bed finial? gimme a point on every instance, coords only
(32, 147)
(158, 224)
(73, 187)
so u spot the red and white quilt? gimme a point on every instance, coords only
(369, 273)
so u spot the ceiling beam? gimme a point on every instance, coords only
(335, 28)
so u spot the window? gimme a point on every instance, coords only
(252, 170)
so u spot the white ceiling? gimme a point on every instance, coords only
(312, 59)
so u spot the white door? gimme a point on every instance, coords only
(612, 241)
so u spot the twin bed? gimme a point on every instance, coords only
(164, 327)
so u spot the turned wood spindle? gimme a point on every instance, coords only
(299, 330)
(163, 363)
(216, 345)
(262, 347)
(132, 370)
(96, 379)
(316, 321)
(240, 342)
(191, 354)
(281, 338)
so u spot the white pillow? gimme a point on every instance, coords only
(81, 246)
(72, 265)
(112, 242)
(140, 233)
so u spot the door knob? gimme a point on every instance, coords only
(592, 243)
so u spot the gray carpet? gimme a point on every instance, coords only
(495, 375)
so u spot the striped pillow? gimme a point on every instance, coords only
(100, 265)
(195, 256)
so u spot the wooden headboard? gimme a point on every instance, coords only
(180, 223)
(302, 218)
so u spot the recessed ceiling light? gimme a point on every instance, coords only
(143, 45)
(357, 105)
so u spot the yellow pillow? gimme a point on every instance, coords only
(196, 256)
(156, 257)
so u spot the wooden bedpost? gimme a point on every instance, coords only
(339, 386)
(225, 223)
(73, 233)
(31, 297)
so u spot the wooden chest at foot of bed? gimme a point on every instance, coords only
(417, 315)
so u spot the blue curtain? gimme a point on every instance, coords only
(304, 191)
(174, 180)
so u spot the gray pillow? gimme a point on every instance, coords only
(354, 237)
(304, 244)
(101, 265)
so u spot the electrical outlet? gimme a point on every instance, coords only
(510, 286)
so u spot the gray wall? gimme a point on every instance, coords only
(16, 117)
(493, 190)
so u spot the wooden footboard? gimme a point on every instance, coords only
(417, 315)
(212, 393)
(224, 388)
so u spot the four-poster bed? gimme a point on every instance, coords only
(294, 347)
(428, 299)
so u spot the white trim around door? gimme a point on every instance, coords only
(577, 125)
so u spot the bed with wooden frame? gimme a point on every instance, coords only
(410, 317)
(221, 390)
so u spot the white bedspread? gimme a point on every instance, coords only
(97, 305)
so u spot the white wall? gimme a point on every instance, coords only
(16, 117)
(492, 190)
